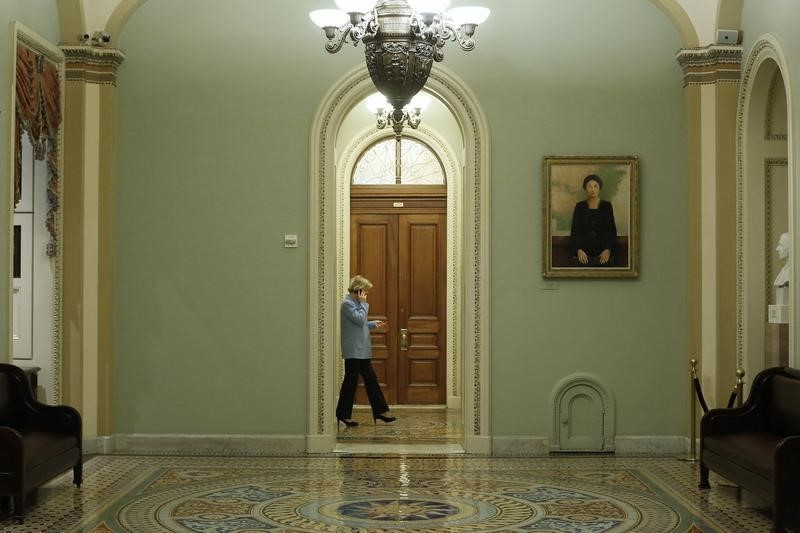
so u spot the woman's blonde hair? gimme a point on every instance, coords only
(359, 283)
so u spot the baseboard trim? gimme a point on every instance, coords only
(652, 445)
(98, 445)
(520, 445)
(628, 445)
(243, 445)
(233, 445)
(478, 445)
(320, 443)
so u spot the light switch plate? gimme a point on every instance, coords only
(290, 241)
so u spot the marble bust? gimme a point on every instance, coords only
(782, 279)
(779, 312)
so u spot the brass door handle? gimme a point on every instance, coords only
(404, 339)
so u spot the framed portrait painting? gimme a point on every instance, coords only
(590, 217)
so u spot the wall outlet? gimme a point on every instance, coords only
(290, 241)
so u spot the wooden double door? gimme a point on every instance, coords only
(398, 241)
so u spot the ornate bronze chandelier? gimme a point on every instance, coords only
(402, 39)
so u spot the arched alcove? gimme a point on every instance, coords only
(324, 291)
(764, 206)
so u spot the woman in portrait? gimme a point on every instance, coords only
(594, 233)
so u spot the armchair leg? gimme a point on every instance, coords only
(19, 507)
(704, 477)
(77, 473)
(778, 518)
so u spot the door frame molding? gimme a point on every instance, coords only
(21, 34)
(323, 278)
(452, 169)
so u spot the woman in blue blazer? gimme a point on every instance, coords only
(357, 353)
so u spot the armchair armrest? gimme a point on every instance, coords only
(750, 417)
(37, 415)
(59, 418)
(11, 444)
(745, 419)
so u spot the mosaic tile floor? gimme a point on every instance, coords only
(413, 426)
(388, 493)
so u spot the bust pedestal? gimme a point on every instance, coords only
(778, 314)
(777, 345)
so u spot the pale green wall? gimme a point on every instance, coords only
(584, 78)
(216, 101)
(40, 16)
(210, 309)
(780, 18)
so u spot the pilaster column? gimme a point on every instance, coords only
(711, 78)
(89, 166)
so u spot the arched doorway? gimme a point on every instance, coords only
(764, 209)
(325, 261)
(429, 158)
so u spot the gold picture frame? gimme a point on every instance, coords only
(591, 203)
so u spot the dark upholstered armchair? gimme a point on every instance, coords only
(757, 445)
(37, 441)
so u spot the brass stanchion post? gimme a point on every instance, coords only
(692, 458)
(739, 386)
(739, 401)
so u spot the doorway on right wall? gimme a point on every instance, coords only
(765, 213)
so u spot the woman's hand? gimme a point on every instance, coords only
(362, 296)
(582, 257)
(380, 324)
(605, 255)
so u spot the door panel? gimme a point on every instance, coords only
(374, 256)
(582, 418)
(404, 255)
(422, 249)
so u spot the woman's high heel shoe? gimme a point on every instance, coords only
(348, 423)
(385, 418)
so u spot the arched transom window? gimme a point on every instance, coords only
(401, 161)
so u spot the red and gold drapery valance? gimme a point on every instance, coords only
(38, 106)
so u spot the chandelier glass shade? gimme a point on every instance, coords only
(402, 39)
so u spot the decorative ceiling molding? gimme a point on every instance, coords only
(92, 65)
(710, 65)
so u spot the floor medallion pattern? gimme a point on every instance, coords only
(387, 493)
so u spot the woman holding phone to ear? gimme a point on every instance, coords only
(357, 353)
